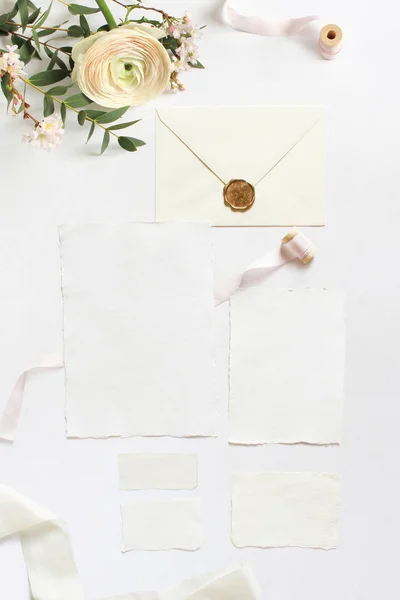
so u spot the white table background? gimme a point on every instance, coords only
(358, 251)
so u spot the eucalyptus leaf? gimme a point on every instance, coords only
(25, 52)
(112, 115)
(59, 90)
(169, 42)
(122, 125)
(23, 13)
(197, 65)
(81, 117)
(127, 144)
(31, 5)
(144, 20)
(5, 84)
(17, 41)
(48, 106)
(106, 141)
(12, 12)
(48, 77)
(63, 111)
(44, 16)
(94, 114)
(92, 128)
(85, 26)
(46, 32)
(105, 27)
(75, 31)
(53, 60)
(78, 100)
(33, 16)
(78, 9)
(36, 40)
(137, 142)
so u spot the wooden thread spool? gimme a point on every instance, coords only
(330, 41)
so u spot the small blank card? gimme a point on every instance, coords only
(138, 329)
(162, 525)
(157, 471)
(287, 361)
(285, 509)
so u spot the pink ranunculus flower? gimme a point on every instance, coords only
(122, 67)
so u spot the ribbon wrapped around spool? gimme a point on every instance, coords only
(329, 38)
(295, 246)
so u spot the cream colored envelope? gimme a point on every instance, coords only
(279, 150)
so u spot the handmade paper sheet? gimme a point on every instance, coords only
(157, 471)
(138, 329)
(279, 150)
(287, 361)
(285, 509)
(162, 525)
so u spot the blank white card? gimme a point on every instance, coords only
(157, 471)
(285, 509)
(138, 329)
(162, 525)
(287, 361)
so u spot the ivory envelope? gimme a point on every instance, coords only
(280, 150)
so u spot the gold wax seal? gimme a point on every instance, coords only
(239, 194)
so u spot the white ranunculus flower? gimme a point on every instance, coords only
(122, 67)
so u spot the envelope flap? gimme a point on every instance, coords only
(240, 142)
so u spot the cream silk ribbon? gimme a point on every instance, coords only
(262, 26)
(295, 245)
(9, 419)
(53, 574)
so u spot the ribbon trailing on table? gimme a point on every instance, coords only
(330, 36)
(53, 574)
(262, 26)
(294, 245)
(9, 419)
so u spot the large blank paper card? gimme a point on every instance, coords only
(285, 509)
(138, 329)
(287, 360)
(272, 156)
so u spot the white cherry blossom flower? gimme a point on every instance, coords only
(47, 134)
(11, 63)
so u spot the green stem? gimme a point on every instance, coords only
(61, 102)
(103, 6)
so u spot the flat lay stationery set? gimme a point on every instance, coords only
(138, 333)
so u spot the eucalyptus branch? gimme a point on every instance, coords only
(30, 39)
(130, 7)
(33, 26)
(18, 98)
(37, 88)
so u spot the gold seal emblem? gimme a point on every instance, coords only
(239, 194)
